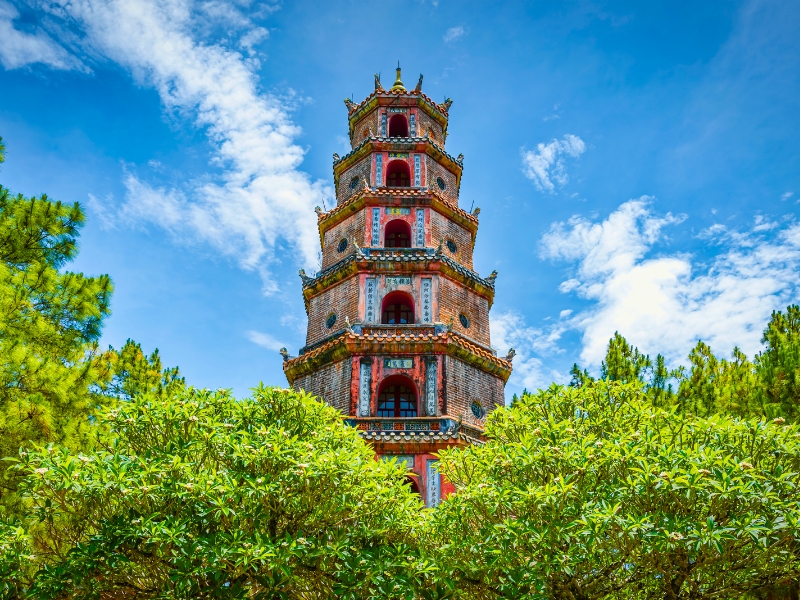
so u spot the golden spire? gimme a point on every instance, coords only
(398, 85)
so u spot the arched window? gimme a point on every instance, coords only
(398, 309)
(398, 126)
(397, 234)
(398, 174)
(397, 398)
(413, 484)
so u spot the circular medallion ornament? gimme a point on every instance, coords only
(342, 245)
(464, 320)
(451, 245)
(477, 410)
(440, 182)
(330, 321)
(354, 182)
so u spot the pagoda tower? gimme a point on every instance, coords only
(398, 320)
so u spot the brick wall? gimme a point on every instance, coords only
(331, 383)
(455, 299)
(435, 170)
(465, 385)
(341, 299)
(443, 229)
(362, 170)
(426, 122)
(363, 125)
(353, 228)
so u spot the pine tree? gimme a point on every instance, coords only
(779, 364)
(50, 322)
(623, 362)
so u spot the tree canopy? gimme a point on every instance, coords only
(201, 495)
(590, 492)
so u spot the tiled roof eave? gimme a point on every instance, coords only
(353, 113)
(350, 342)
(355, 152)
(426, 259)
(326, 220)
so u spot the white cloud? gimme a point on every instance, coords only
(545, 166)
(454, 33)
(786, 195)
(19, 48)
(509, 330)
(261, 196)
(264, 340)
(666, 303)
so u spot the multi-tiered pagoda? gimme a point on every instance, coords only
(398, 320)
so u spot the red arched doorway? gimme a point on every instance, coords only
(397, 309)
(397, 397)
(397, 234)
(398, 126)
(398, 174)
(412, 482)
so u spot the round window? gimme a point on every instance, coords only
(330, 321)
(477, 410)
(440, 182)
(342, 245)
(451, 245)
(464, 320)
(354, 182)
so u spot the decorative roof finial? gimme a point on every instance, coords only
(378, 86)
(419, 84)
(398, 84)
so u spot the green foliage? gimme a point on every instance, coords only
(2, 150)
(49, 328)
(579, 377)
(592, 492)
(624, 362)
(133, 373)
(719, 385)
(201, 495)
(779, 364)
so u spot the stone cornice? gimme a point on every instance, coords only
(394, 144)
(397, 260)
(396, 197)
(352, 342)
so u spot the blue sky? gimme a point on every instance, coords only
(636, 164)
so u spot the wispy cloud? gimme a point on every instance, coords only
(264, 340)
(667, 302)
(260, 195)
(454, 33)
(509, 330)
(545, 166)
(19, 48)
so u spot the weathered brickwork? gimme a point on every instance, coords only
(454, 300)
(451, 184)
(442, 230)
(341, 300)
(466, 384)
(427, 124)
(362, 127)
(345, 188)
(351, 229)
(331, 383)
